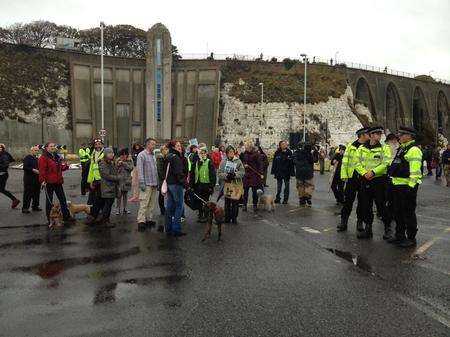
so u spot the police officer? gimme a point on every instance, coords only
(405, 174)
(84, 153)
(352, 179)
(372, 161)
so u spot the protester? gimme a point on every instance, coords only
(231, 170)
(135, 150)
(265, 163)
(202, 180)
(428, 157)
(446, 164)
(304, 172)
(216, 157)
(5, 160)
(124, 168)
(192, 156)
(337, 184)
(176, 181)
(160, 160)
(148, 184)
(84, 153)
(322, 156)
(51, 167)
(222, 152)
(31, 186)
(253, 174)
(109, 184)
(436, 163)
(94, 177)
(283, 170)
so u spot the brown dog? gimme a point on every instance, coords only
(213, 213)
(56, 216)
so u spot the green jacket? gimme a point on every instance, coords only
(94, 173)
(349, 160)
(375, 158)
(411, 156)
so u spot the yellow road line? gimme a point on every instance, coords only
(422, 249)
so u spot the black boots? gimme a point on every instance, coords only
(342, 227)
(367, 233)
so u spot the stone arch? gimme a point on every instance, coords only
(363, 95)
(394, 110)
(419, 109)
(443, 112)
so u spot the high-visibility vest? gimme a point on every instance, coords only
(406, 168)
(202, 173)
(84, 155)
(94, 172)
(375, 159)
(349, 160)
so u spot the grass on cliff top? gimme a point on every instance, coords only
(282, 84)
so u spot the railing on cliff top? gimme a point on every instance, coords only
(313, 59)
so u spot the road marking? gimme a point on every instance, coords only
(426, 310)
(327, 229)
(427, 245)
(310, 230)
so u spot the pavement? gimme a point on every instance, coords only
(287, 273)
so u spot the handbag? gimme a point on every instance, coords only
(164, 187)
(233, 190)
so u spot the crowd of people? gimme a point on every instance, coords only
(171, 177)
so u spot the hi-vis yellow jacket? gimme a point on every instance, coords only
(349, 160)
(94, 172)
(406, 167)
(374, 158)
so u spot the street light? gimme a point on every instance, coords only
(102, 26)
(262, 101)
(305, 59)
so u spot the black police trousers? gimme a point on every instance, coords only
(374, 191)
(404, 205)
(351, 191)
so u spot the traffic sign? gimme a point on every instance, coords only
(102, 133)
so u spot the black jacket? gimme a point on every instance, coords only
(177, 170)
(283, 164)
(29, 163)
(446, 157)
(5, 160)
(304, 164)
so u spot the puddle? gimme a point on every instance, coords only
(47, 268)
(356, 260)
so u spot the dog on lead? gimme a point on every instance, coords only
(215, 214)
(266, 202)
(56, 216)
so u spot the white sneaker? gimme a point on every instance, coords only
(118, 212)
(125, 211)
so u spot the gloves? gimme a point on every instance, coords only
(231, 176)
(142, 186)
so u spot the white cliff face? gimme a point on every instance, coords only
(273, 122)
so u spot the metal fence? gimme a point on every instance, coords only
(313, 59)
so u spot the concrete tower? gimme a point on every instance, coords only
(158, 119)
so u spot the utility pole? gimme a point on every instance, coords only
(102, 26)
(305, 59)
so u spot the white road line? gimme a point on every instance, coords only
(426, 310)
(310, 230)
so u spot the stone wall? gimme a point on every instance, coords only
(272, 122)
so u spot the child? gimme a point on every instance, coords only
(124, 168)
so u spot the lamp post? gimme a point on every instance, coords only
(262, 101)
(305, 59)
(102, 26)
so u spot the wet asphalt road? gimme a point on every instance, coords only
(282, 274)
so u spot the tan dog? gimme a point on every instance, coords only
(56, 216)
(216, 213)
(266, 202)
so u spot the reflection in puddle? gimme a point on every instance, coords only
(356, 260)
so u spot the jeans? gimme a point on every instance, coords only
(3, 179)
(59, 191)
(174, 208)
(286, 188)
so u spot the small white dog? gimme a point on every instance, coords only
(266, 202)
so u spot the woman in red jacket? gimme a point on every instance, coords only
(50, 177)
(216, 158)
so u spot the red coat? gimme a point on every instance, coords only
(255, 169)
(51, 169)
(216, 158)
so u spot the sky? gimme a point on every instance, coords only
(406, 35)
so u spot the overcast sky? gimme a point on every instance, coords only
(407, 35)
